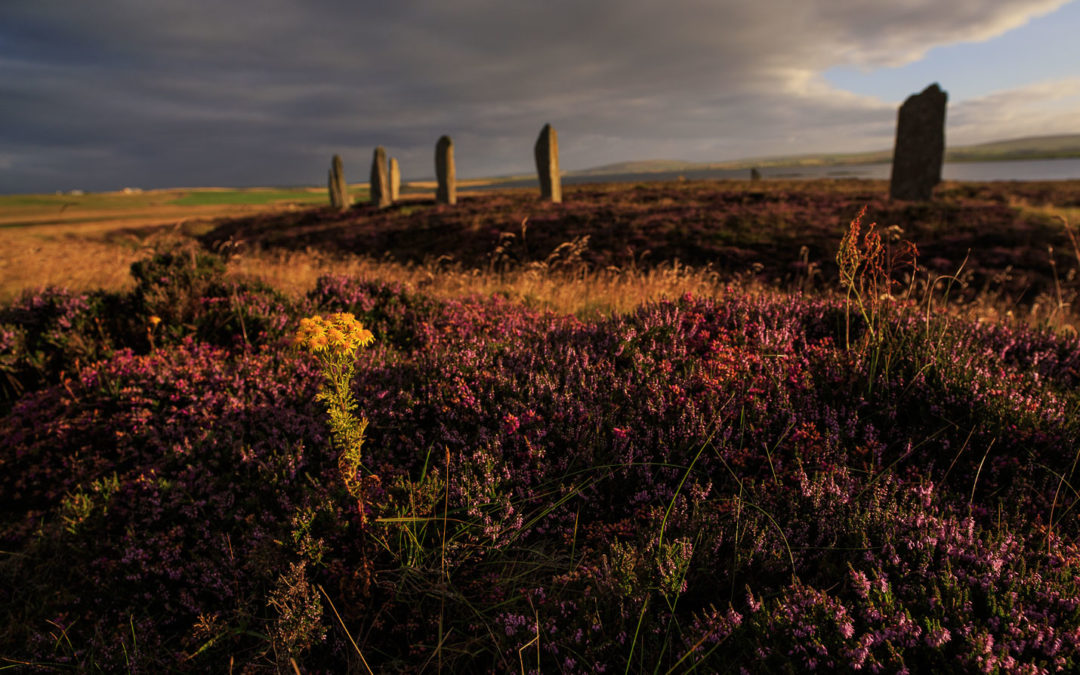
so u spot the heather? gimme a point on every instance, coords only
(760, 482)
(782, 232)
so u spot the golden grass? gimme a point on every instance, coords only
(612, 291)
(92, 246)
(32, 261)
(1070, 215)
(38, 257)
(574, 291)
(100, 258)
(89, 242)
(98, 253)
(83, 256)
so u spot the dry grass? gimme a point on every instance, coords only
(84, 257)
(568, 291)
(615, 291)
(90, 245)
(95, 251)
(100, 258)
(99, 254)
(31, 261)
(1070, 214)
(40, 256)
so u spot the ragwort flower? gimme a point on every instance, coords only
(334, 340)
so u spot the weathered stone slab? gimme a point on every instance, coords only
(547, 164)
(380, 182)
(339, 191)
(755, 174)
(395, 180)
(445, 172)
(920, 145)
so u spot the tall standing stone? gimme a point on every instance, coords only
(920, 145)
(339, 191)
(380, 184)
(547, 164)
(395, 180)
(445, 172)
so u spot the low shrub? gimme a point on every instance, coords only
(710, 483)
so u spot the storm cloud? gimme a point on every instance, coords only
(262, 92)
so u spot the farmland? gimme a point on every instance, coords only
(725, 447)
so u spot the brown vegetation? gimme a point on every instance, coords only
(609, 247)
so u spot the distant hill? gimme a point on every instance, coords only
(1032, 147)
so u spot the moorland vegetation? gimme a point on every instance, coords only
(838, 452)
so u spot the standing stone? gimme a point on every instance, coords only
(339, 191)
(380, 184)
(395, 180)
(445, 172)
(920, 145)
(755, 174)
(547, 164)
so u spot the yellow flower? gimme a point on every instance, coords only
(336, 338)
(155, 320)
(340, 332)
(318, 342)
(316, 332)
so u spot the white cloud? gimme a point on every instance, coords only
(1043, 108)
(900, 32)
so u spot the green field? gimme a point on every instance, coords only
(90, 200)
(216, 197)
(10, 204)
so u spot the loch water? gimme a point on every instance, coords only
(1018, 170)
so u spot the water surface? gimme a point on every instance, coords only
(1021, 170)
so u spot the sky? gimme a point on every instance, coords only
(181, 93)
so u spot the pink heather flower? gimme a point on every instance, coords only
(511, 423)
(752, 602)
(938, 637)
(861, 582)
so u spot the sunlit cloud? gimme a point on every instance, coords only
(1038, 109)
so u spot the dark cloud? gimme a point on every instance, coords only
(134, 92)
